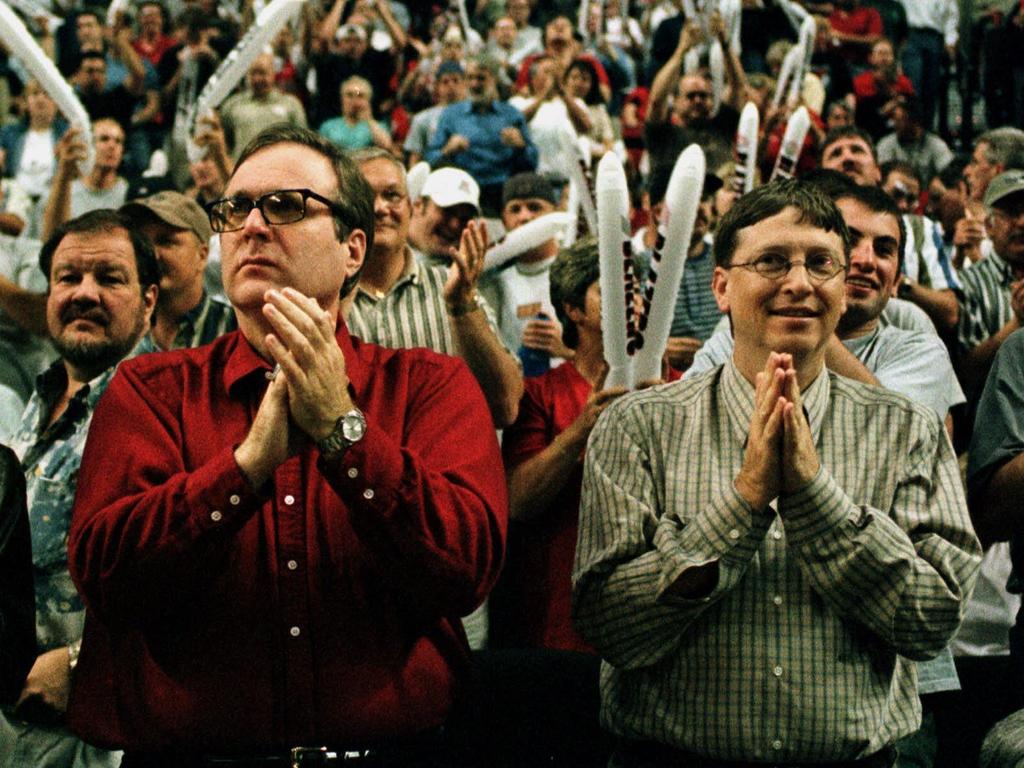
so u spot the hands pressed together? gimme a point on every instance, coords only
(780, 457)
(309, 391)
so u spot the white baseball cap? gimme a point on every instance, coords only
(451, 186)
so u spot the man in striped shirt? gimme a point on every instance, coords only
(401, 302)
(993, 301)
(765, 547)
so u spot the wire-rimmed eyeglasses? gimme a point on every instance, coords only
(773, 266)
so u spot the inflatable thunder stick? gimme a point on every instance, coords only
(682, 200)
(614, 253)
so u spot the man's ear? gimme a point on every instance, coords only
(355, 252)
(149, 297)
(895, 285)
(573, 313)
(719, 283)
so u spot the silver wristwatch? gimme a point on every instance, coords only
(348, 430)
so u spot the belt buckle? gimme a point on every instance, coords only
(299, 756)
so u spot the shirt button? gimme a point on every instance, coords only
(368, 494)
(777, 599)
(216, 516)
(777, 671)
(292, 565)
(353, 472)
(294, 631)
(289, 499)
(734, 534)
(776, 535)
(777, 744)
(235, 499)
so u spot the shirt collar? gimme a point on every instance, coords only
(52, 382)
(243, 362)
(191, 318)
(738, 397)
(411, 273)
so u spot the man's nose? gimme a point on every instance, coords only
(255, 222)
(863, 257)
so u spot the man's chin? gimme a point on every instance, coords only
(93, 354)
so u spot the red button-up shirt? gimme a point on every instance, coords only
(325, 611)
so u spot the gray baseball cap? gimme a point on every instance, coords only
(1003, 185)
(175, 209)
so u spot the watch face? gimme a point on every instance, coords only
(353, 426)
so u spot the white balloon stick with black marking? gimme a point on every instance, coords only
(732, 15)
(23, 47)
(682, 200)
(808, 31)
(716, 63)
(576, 169)
(416, 178)
(691, 59)
(616, 281)
(527, 237)
(33, 10)
(116, 7)
(746, 149)
(794, 12)
(788, 71)
(792, 144)
(237, 63)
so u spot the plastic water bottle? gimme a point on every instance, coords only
(535, 361)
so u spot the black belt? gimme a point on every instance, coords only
(926, 31)
(653, 754)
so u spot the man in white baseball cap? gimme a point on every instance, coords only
(449, 200)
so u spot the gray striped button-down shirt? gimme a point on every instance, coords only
(797, 654)
(985, 305)
(411, 314)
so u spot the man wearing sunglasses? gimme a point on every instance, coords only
(275, 556)
(758, 604)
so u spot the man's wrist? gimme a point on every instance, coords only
(461, 307)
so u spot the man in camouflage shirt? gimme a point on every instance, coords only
(102, 290)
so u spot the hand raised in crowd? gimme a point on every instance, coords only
(71, 149)
(210, 133)
(716, 26)
(512, 137)
(968, 235)
(689, 36)
(545, 334)
(44, 699)
(467, 265)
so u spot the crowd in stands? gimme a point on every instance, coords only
(495, 642)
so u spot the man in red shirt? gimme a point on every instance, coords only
(876, 89)
(275, 556)
(855, 28)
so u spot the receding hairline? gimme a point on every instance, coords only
(286, 143)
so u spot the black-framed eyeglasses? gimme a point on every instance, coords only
(282, 206)
(819, 266)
